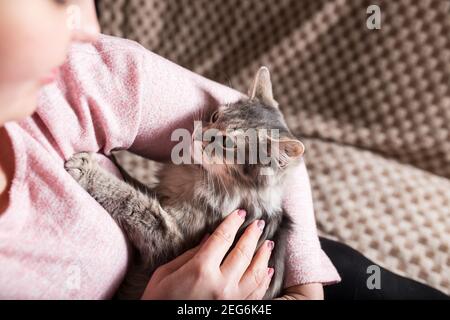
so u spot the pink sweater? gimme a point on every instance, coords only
(55, 240)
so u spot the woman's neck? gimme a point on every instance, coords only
(6, 168)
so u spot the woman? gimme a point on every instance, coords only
(65, 89)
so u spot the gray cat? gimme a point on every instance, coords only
(192, 200)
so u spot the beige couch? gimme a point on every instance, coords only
(372, 106)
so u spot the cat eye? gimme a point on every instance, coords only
(214, 117)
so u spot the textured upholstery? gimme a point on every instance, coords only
(372, 106)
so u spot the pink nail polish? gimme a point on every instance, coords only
(271, 245)
(270, 272)
(242, 214)
(261, 224)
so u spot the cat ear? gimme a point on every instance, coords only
(262, 88)
(289, 150)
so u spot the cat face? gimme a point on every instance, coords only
(248, 141)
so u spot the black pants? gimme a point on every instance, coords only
(352, 267)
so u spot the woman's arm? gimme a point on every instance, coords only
(305, 260)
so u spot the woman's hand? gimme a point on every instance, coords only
(200, 274)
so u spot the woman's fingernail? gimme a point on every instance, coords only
(261, 224)
(271, 245)
(270, 272)
(242, 214)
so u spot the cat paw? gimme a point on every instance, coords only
(80, 165)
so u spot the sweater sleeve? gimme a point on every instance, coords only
(133, 99)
